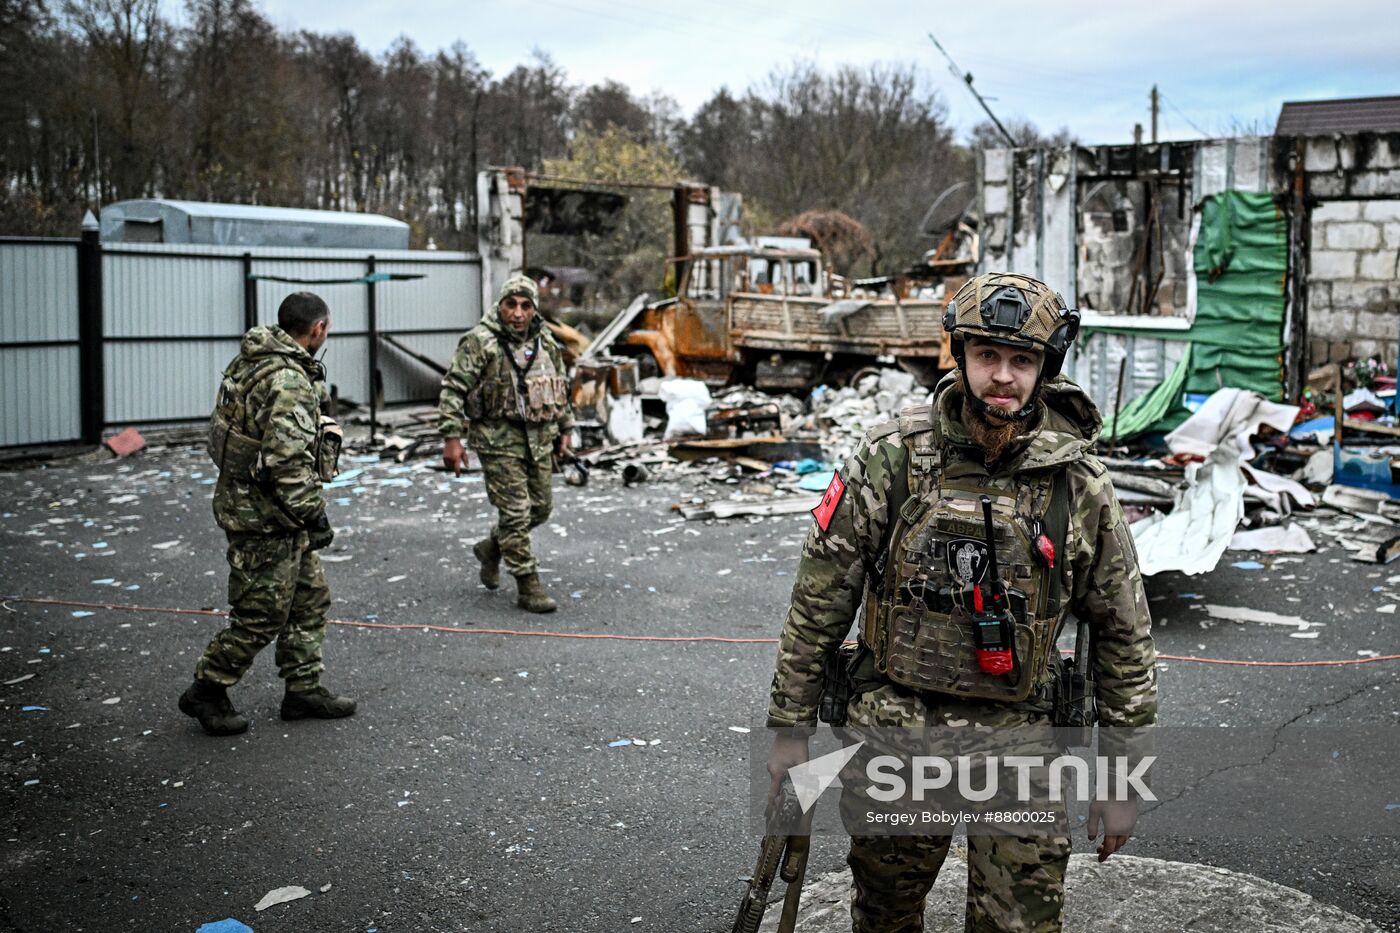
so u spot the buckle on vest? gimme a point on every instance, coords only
(912, 510)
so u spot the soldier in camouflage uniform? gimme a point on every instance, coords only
(273, 448)
(1002, 426)
(507, 392)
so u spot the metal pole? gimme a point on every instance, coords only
(91, 386)
(373, 353)
(966, 78)
(250, 294)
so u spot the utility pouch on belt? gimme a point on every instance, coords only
(837, 685)
(329, 438)
(1074, 711)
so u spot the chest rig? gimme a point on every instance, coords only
(918, 618)
(521, 384)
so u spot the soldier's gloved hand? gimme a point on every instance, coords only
(320, 532)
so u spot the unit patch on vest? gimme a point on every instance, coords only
(967, 560)
(827, 507)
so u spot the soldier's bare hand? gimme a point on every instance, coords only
(1118, 818)
(566, 445)
(788, 751)
(453, 455)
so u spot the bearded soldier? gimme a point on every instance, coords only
(898, 529)
(273, 448)
(506, 391)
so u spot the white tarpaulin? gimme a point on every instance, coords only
(1230, 414)
(1277, 492)
(1194, 536)
(1287, 539)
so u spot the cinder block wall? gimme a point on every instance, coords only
(1354, 248)
(1354, 281)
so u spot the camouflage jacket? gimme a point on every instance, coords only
(1099, 562)
(280, 410)
(478, 358)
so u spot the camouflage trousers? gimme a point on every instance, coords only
(519, 488)
(276, 590)
(1015, 883)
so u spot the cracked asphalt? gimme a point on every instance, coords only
(480, 786)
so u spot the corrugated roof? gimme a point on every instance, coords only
(272, 214)
(1354, 115)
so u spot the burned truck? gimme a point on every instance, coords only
(771, 315)
(767, 313)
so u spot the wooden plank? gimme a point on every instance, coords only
(1354, 424)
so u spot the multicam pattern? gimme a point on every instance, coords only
(1015, 884)
(520, 490)
(277, 590)
(1099, 565)
(480, 399)
(274, 398)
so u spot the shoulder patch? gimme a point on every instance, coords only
(827, 507)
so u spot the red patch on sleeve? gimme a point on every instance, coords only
(827, 508)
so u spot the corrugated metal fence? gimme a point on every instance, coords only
(138, 334)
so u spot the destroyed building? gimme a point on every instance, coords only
(1117, 229)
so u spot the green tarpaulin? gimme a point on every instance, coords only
(1236, 340)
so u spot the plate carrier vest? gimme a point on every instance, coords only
(915, 620)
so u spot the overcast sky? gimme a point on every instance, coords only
(1086, 66)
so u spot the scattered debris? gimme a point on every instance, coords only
(1288, 539)
(1246, 614)
(281, 896)
(125, 443)
(229, 925)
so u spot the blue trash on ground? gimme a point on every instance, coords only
(229, 925)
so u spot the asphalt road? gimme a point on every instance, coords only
(477, 789)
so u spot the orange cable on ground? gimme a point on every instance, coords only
(528, 633)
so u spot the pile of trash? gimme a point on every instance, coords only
(1247, 474)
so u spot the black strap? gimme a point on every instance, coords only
(1057, 526)
(895, 497)
(521, 373)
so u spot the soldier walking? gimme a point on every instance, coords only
(274, 448)
(892, 530)
(506, 391)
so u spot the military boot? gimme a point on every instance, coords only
(316, 703)
(532, 596)
(489, 553)
(209, 703)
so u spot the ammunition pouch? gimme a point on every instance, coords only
(1073, 707)
(329, 439)
(837, 685)
(236, 454)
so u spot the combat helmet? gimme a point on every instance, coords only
(1016, 311)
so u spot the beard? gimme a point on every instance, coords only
(993, 434)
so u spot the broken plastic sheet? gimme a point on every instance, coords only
(1230, 415)
(1194, 536)
(1277, 539)
(1149, 410)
